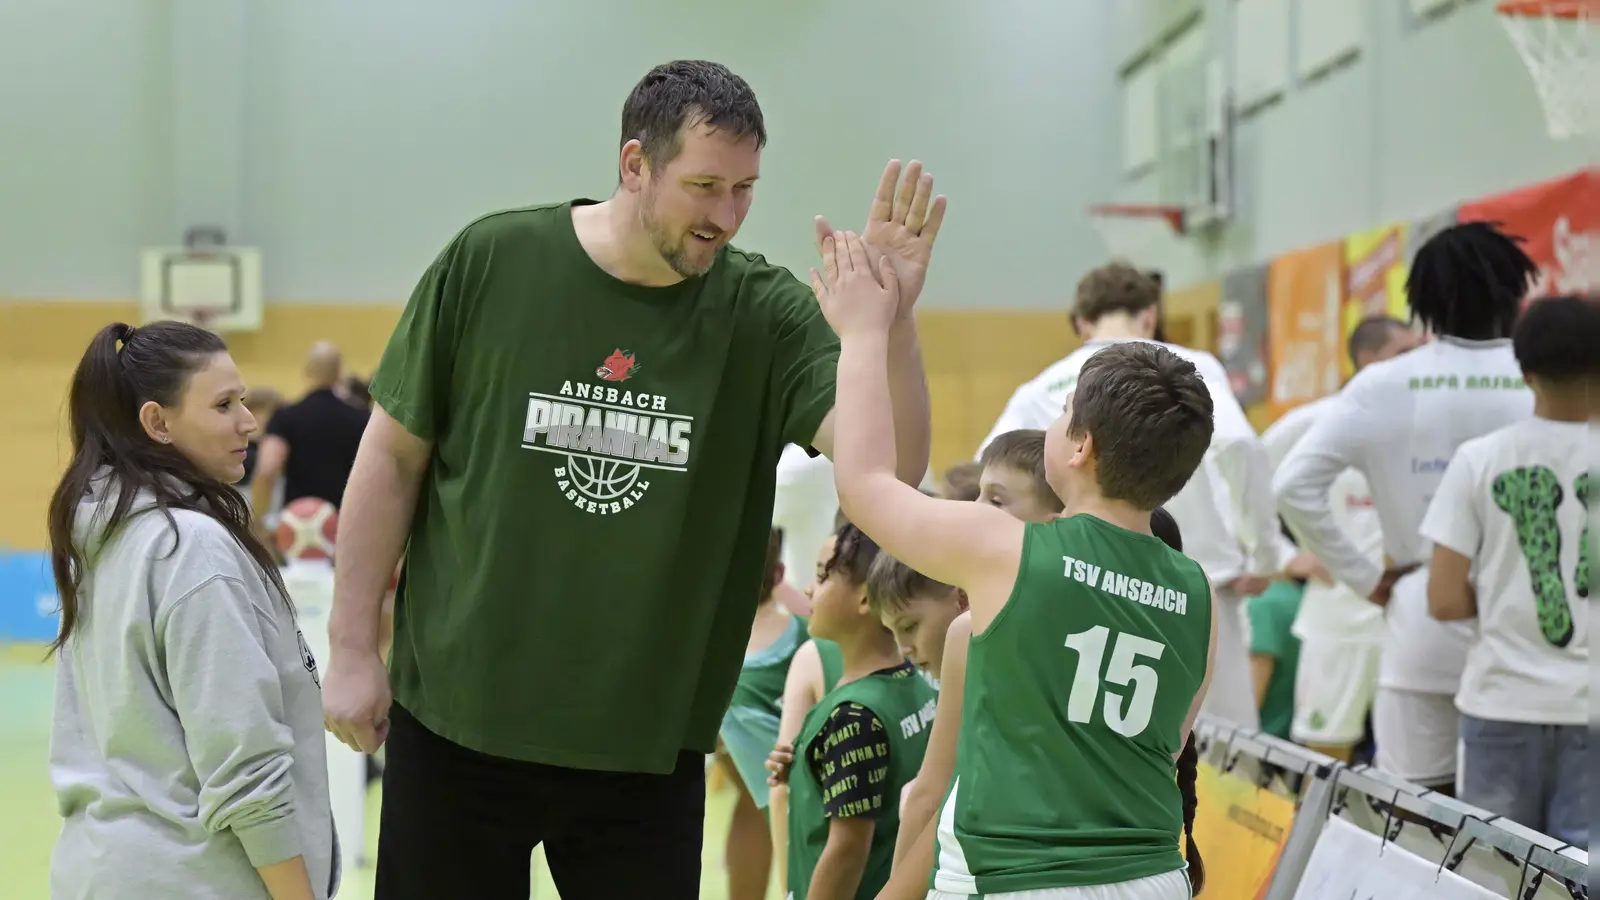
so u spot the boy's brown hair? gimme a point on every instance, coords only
(892, 585)
(1151, 417)
(1023, 450)
(960, 481)
(1114, 287)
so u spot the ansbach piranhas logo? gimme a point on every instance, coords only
(610, 441)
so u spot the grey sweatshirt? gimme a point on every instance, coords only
(187, 747)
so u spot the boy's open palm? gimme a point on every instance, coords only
(852, 298)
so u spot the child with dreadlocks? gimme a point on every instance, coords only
(858, 746)
(1398, 422)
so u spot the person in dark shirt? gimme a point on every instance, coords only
(310, 444)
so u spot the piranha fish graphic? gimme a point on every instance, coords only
(619, 366)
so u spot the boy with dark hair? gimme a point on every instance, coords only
(1042, 728)
(1398, 423)
(1013, 476)
(1511, 548)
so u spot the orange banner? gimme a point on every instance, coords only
(1559, 223)
(1305, 298)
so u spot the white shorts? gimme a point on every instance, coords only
(1172, 885)
(1416, 734)
(1232, 694)
(1333, 690)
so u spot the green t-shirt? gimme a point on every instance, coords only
(1076, 696)
(856, 751)
(587, 549)
(1271, 622)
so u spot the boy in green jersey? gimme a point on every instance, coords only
(1091, 639)
(856, 748)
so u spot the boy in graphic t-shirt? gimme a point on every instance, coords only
(1512, 548)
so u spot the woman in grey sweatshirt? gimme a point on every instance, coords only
(187, 751)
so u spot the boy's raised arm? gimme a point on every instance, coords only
(963, 544)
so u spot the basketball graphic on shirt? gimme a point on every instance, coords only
(610, 440)
(601, 480)
(307, 528)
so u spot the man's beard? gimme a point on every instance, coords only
(673, 251)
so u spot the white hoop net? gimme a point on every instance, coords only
(1559, 51)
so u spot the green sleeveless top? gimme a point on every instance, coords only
(1075, 700)
(904, 702)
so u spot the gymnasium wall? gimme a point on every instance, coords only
(349, 140)
(1424, 110)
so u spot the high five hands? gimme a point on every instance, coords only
(901, 226)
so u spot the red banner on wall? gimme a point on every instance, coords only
(1559, 222)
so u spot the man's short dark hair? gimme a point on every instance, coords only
(1558, 338)
(1151, 417)
(892, 585)
(1371, 334)
(688, 92)
(1117, 286)
(1023, 451)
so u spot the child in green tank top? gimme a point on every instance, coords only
(858, 746)
(1091, 639)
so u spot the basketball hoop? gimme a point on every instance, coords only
(203, 317)
(1556, 40)
(1130, 229)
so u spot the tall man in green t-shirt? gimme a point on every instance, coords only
(577, 425)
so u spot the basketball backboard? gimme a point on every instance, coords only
(216, 287)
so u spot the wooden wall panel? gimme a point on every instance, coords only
(975, 359)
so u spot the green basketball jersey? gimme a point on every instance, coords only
(1075, 700)
(904, 702)
(586, 553)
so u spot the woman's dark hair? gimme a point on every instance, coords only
(853, 554)
(1468, 281)
(1165, 527)
(109, 386)
(1188, 774)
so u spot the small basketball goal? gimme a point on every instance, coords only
(1132, 231)
(1556, 39)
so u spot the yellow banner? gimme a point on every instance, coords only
(1239, 829)
(1375, 273)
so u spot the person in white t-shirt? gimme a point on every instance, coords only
(1509, 528)
(1398, 423)
(1341, 634)
(1226, 511)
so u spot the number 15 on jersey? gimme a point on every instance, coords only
(1129, 686)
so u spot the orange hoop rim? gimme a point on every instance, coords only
(1546, 9)
(1173, 215)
